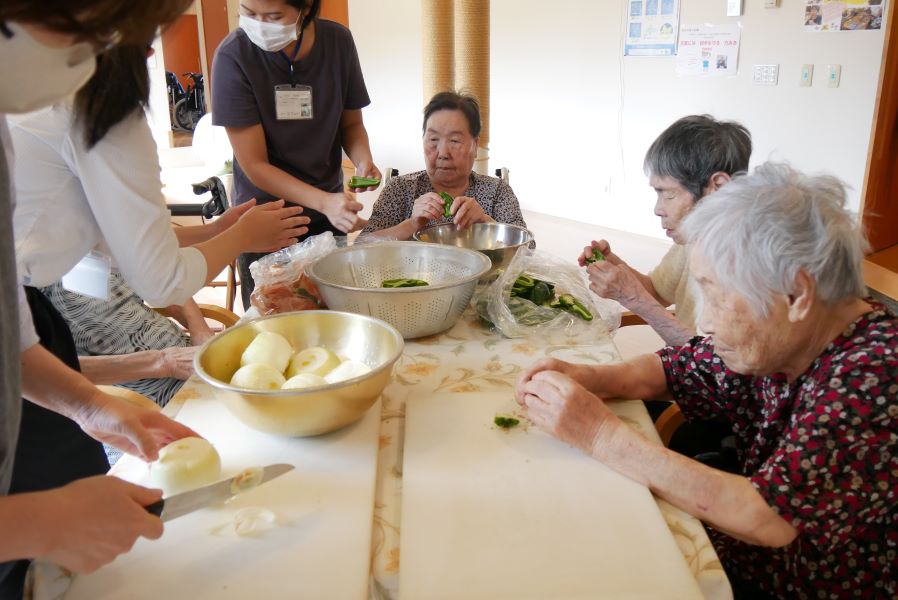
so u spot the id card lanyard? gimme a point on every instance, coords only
(293, 102)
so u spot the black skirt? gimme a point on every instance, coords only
(52, 450)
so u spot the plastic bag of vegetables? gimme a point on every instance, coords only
(541, 295)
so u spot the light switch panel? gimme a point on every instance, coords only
(833, 75)
(765, 74)
(807, 75)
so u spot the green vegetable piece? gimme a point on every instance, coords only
(506, 422)
(359, 182)
(570, 304)
(402, 283)
(596, 256)
(525, 281)
(541, 293)
(447, 204)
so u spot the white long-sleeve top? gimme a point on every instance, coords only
(70, 200)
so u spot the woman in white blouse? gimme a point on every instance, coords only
(87, 180)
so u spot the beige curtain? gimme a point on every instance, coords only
(456, 56)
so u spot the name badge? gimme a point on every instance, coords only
(90, 276)
(293, 102)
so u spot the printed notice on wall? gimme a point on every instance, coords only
(843, 15)
(652, 27)
(708, 50)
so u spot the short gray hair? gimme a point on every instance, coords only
(759, 230)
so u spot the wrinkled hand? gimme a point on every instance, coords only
(89, 522)
(366, 169)
(232, 215)
(342, 211)
(566, 410)
(427, 207)
(604, 247)
(177, 361)
(576, 372)
(466, 211)
(616, 282)
(272, 226)
(130, 428)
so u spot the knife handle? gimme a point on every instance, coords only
(156, 508)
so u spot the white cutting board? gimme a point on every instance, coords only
(493, 514)
(320, 548)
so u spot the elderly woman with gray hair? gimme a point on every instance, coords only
(803, 367)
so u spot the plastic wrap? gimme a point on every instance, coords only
(518, 317)
(281, 283)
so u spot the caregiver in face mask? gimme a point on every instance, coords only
(47, 51)
(288, 88)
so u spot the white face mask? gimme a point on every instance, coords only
(36, 75)
(270, 37)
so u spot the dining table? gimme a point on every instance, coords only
(425, 497)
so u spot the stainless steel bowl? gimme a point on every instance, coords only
(350, 279)
(499, 241)
(309, 411)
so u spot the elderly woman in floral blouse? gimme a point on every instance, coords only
(451, 135)
(804, 368)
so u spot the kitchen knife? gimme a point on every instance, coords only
(187, 502)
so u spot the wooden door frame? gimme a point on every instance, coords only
(879, 199)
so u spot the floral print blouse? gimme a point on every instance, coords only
(822, 451)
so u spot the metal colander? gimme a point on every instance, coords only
(350, 280)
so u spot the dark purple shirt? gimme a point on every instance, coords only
(243, 80)
(821, 450)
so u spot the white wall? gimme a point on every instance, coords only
(572, 118)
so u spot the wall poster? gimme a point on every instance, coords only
(652, 27)
(843, 15)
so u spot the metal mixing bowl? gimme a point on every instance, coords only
(350, 279)
(309, 411)
(499, 241)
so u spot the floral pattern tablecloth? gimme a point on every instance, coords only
(469, 359)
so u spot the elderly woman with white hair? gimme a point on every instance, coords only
(803, 367)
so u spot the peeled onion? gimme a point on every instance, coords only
(258, 377)
(268, 348)
(303, 380)
(316, 360)
(253, 521)
(185, 464)
(347, 370)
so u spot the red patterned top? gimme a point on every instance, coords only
(822, 451)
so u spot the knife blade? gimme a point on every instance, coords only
(187, 502)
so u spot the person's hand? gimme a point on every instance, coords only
(427, 207)
(615, 281)
(572, 370)
(128, 427)
(466, 211)
(342, 210)
(272, 226)
(231, 216)
(566, 410)
(604, 247)
(89, 522)
(370, 170)
(177, 361)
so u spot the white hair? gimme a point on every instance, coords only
(758, 231)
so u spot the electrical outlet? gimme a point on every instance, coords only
(771, 3)
(807, 75)
(765, 74)
(833, 75)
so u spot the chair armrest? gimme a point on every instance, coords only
(668, 422)
(217, 313)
